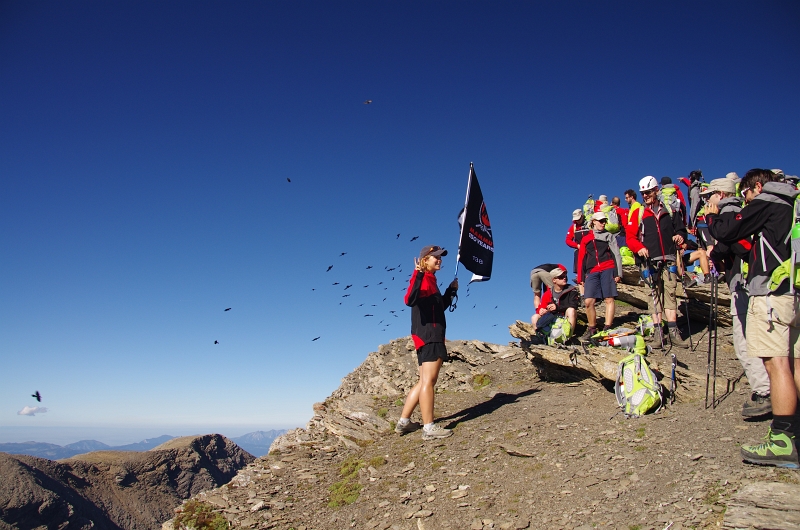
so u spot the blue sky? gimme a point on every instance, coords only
(145, 150)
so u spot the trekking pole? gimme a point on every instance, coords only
(714, 302)
(674, 384)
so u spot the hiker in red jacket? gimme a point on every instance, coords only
(574, 235)
(599, 269)
(428, 327)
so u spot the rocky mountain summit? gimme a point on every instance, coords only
(114, 489)
(538, 443)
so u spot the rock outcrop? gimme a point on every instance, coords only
(114, 489)
(348, 417)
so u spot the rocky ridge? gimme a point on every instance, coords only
(535, 445)
(114, 489)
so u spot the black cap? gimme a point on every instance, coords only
(666, 180)
(431, 250)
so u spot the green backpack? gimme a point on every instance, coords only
(588, 209)
(612, 225)
(637, 388)
(560, 332)
(627, 255)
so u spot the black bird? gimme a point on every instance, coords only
(38, 396)
(381, 322)
(329, 268)
(367, 102)
(348, 286)
(380, 283)
(414, 238)
(398, 236)
(228, 309)
(494, 325)
(335, 283)
(366, 286)
(369, 267)
(390, 270)
(392, 311)
(395, 316)
(216, 342)
(315, 338)
(495, 307)
(359, 305)
(385, 288)
(313, 289)
(473, 307)
(345, 295)
(288, 179)
(373, 305)
(342, 254)
(384, 300)
(368, 315)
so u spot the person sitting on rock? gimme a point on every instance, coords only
(560, 301)
(428, 327)
(599, 269)
(541, 275)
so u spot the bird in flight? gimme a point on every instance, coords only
(346, 287)
(390, 270)
(216, 342)
(335, 283)
(369, 267)
(380, 283)
(366, 286)
(329, 268)
(315, 338)
(227, 309)
(368, 315)
(398, 236)
(414, 238)
(38, 396)
(367, 101)
(342, 254)
(359, 305)
(384, 299)
(345, 295)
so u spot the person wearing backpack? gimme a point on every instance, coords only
(668, 189)
(599, 270)
(560, 301)
(728, 258)
(773, 331)
(656, 238)
(574, 235)
(693, 184)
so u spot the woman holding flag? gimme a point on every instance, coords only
(428, 327)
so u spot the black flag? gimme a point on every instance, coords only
(476, 248)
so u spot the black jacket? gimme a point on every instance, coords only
(428, 323)
(768, 218)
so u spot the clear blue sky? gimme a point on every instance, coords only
(145, 149)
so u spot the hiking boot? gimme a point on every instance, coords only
(435, 432)
(757, 406)
(411, 426)
(588, 334)
(676, 339)
(778, 450)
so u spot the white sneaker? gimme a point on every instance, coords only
(436, 432)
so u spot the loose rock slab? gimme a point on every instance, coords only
(765, 505)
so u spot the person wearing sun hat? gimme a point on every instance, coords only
(428, 326)
(599, 270)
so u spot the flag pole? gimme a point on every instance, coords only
(461, 235)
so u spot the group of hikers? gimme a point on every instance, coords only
(744, 230)
(741, 230)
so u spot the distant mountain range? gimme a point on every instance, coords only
(256, 443)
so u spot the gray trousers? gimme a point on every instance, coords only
(753, 366)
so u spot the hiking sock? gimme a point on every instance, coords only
(671, 325)
(403, 421)
(428, 426)
(783, 423)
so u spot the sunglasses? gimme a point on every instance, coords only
(649, 192)
(604, 221)
(743, 191)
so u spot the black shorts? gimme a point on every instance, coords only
(431, 352)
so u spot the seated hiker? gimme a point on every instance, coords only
(560, 301)
(541, 275)
(599, 269)
(692, 254)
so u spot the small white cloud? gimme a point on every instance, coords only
(31, 411)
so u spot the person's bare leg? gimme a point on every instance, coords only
(535, 319)
(428, 374)
(591, 313)
(609, 312)
(782, 386)
(672, 315)
(572, 317)
(413, 398)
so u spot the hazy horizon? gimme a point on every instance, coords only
(115, 436)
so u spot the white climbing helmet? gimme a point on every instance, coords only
(647, 183)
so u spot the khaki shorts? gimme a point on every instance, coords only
(539, 277)
(668, 285)
(778, 337)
